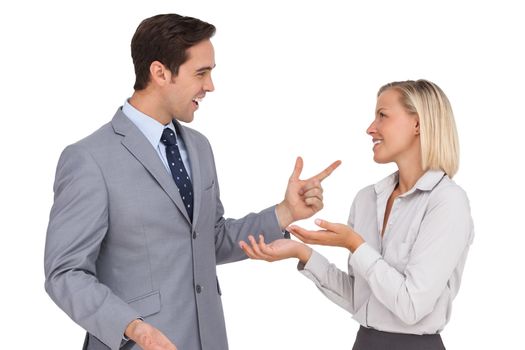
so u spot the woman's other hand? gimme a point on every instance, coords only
(336, 235)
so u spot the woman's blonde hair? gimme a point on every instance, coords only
(438, 133)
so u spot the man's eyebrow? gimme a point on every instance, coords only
(203, 69)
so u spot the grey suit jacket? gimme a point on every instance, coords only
(120, 245)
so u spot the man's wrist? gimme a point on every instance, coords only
(284, 215)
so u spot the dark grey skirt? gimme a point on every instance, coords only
(371, 339)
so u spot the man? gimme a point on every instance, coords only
(137, 226)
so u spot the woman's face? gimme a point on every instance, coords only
(395, 132)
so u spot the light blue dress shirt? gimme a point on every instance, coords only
(152, 129)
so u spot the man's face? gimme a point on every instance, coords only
(189, 86)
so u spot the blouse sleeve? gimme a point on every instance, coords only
(335, 284)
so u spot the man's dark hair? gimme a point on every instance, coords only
(165, 38)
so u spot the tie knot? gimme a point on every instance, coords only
(168, 137)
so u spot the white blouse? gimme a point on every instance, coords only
(405, 281)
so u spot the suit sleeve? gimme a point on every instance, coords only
(77, 227)
(228, 232)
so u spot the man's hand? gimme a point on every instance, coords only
(148, 337)
(303, 198)
(277, 250)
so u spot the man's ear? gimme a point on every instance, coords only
(160, 75)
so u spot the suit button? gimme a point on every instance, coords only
(194, 235)
(198, 288)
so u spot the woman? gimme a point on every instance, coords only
(408, 235)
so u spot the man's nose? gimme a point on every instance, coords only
(209, 85)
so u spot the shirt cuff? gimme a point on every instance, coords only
(363, 258)
(285, 233)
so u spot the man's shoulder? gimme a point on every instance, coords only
(98, 141)
(98, 137)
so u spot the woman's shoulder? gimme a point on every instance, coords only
(448, 191)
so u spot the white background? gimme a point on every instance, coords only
(292, 78)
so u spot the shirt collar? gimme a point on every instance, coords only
(151, 128)
(429, 180)
(425, 183)
(388, 183)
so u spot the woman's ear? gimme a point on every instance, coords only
(417, 127)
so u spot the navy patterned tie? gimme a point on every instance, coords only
(178, 171)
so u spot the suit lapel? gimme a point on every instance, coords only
(137, 144)
(192, 149)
